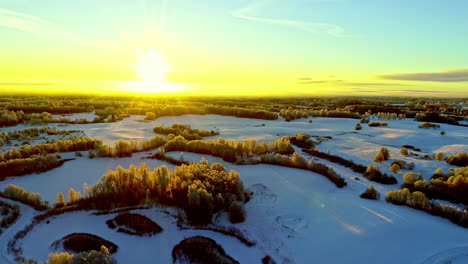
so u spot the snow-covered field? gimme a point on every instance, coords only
(295, 216)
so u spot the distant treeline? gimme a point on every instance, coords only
(177, 110)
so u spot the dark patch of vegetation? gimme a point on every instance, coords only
(373, 173)
(428, 125)
(185, 131)
(461, 159)
(134, 224)
(199, 249)
(227, 231)
(377, 124)
(8, 215)
(268, 260)
(237, 212)
(435, 117)
(452, 186)
(370, 193)
(84, 242)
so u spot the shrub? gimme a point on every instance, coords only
(404, 151)
(395, 168)
(411, 177)
(370, 193)
(373, 173)
(439, 156)
(358, 126)
(237, 212)
(382, 155)
(403, 164)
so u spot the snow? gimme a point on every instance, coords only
(296, 216)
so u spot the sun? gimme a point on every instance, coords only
(151, 73)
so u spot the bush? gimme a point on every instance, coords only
(373, 173)
(404, 151)
(411, 177)
(370, 193)
(382, 155)
(395, 168)
(439, 156)
(358, 126)
(237, 212)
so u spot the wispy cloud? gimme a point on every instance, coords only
(21, 21)
(307, 80)
(426, 91)
(39, 26)
(249, 13)
(457, 75)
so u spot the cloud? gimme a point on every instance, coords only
(249, 11)
(39, 26)
(357, 90)
(457, 75)
(307, 80)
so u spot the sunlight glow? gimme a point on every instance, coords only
(152, 70)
